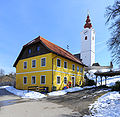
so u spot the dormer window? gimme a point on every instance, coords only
(29, 51)
(38, 48)
(85, 37)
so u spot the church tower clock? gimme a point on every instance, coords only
(88, 43)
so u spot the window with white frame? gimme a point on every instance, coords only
(73, 67)
(25, 65)
(65, 64)
(33, 80)
(77, 68)
(33, 63)
(25, 80)
(43, 62)
(58, 79)
(42, 80)
(81, 69)
(65, 80)
(58, 63)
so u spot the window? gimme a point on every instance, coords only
(24, 80)
(85, 37)
(29, 51)
(77, 68)
(81, 69)
(25, 65)
(73, 67)
(33, 80)
(38, 48)
(65, 80)
(65, 64)
(43, 61)
(33, 63)
(58, 79)
(42, 80)
(58, 63)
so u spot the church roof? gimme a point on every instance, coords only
(88, 24)
(53, 48)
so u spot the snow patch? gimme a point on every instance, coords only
(107, 105)
(24, 93)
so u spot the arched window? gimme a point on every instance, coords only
(85, 37)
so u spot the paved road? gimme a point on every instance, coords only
(4, 92)
(78, 101)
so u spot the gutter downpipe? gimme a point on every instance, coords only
(52, 70)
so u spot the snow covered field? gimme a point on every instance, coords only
(107, 105)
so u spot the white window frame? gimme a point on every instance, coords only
(60, 62)
(35, 80)
(57, 80)
(45, 62)
(72, 67)
(26, 80)
(41, 80)
(78, 69)
(35, 63)
(64, 80)
(74, 80)
(23, 64)
(66, 64)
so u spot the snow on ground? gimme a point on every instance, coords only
(107, 105)
(37, 95)
(24, 93)
(63, 92)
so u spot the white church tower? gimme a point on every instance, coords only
(88, 43)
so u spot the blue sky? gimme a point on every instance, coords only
(59, 21)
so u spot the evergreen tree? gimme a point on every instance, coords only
(113, 15)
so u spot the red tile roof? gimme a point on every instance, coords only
(55, 49)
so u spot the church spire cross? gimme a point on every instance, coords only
(88, 24)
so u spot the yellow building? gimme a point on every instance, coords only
(42, 63)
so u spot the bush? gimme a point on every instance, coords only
(89, 82)
(116, 87)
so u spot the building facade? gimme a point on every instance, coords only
(42, 63)
(88, 44)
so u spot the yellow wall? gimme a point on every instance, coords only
(47, 71)
(69, 73)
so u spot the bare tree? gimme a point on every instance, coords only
(113, 15)
(2, 72)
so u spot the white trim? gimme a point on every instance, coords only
(67, 65)
(57, 80)
(45, 62)
(64, 80)
(23, 80)
(45, 79)
(60, 62)
(48, 70)
(23, 64)
(74, 79)
(72, 67)
(31, 79)
(35, 63)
